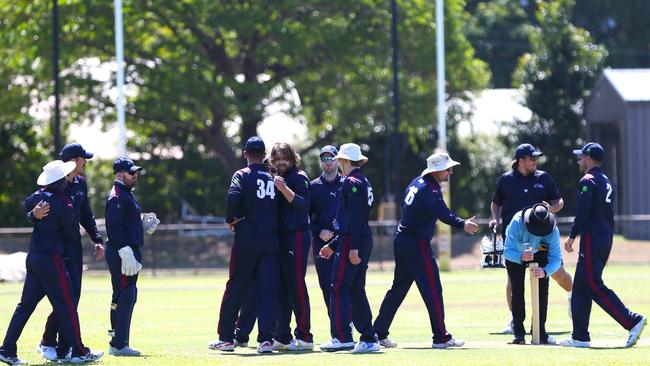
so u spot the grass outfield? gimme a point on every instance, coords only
(176, 316)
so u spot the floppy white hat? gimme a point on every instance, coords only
(54, 171)
(438, 162)
(350, 152)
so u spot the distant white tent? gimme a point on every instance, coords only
(12, 267)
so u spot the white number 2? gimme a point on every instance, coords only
(265, 189)
(411, 195)
(608, 198)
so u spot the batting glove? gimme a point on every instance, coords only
(130, 266)
(150, 222)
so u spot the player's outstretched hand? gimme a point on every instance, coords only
(354, 257)
(326, 252)
(41, 210)
(98, 252)
(568, 245)
(470, 225)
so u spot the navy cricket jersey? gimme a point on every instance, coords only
(294, 216)
(78, 191)
(515, 192)
(59, 228)
(123, 218)
(323, 202)
(595, 213)
(423, 205)
(354, 208)
(252, 195)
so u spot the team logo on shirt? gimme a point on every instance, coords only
(538, 185)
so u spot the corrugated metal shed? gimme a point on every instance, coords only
(618, 116)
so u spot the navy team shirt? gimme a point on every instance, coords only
(515, 192)
(323, 201)
(354, 208)
(78, 191)
(59, 228)
(423, 205)
(595, 213)
(123, 218)
(252, 195)
(294, 216)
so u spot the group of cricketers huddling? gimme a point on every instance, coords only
(278, 215)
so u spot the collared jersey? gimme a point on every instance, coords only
(59, 228)
(294, 216)
(515, 192)
(518, 239)
(323, 201)
(123, 218)
(595, 212)
(423, 205)
(78, 191)
(252, 195)
(353, 211)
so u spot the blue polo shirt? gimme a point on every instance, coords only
(595, 213)
(515, 192)
(518, 238)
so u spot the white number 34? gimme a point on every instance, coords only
(265, 188)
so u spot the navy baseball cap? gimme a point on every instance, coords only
(593, 150)
(123, 164)
(255, 144)
(526, 150)
(75, 150)
(329, 149)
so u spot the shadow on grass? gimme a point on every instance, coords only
(440, 349)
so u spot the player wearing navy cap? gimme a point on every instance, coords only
(46, 271)
(251, 209)
(423, 205)
(77, 189)
(295, 241)
(594, 222)
(123, 253)
(353, 249)
(323, 200)
(522, 187)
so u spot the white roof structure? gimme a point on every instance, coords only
(633, 85)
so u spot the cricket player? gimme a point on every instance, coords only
(46, 271)
(295, 240)
(423, 205)
(353, 249)
(77, 189)
(522, 187)
(594, 222)
(532, 236)
(251, 210)
(125, 232)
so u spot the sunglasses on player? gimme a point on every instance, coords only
(326, 159)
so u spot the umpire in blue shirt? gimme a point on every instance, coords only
(123, 252)
(423, 205)
(594, 222)
(532, 236)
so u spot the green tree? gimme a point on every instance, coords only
(557, 75)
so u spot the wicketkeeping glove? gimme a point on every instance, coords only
(150, 222)
(130, 266)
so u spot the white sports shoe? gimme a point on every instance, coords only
(387, 343)
(450, 343)
(48, 353)
(550, 340)
(265, 347)
(299, 345)
(241, 344)
(335, 345)
(570, 313)
(125, 351)
(91, 356)
(365, 347)
(9, 360)
(219, 345)
(279, 346)
(509, 329)
(570, 342)
(635, 332)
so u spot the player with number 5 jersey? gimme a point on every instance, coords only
(251, 212)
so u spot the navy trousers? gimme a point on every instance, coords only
(414, 261)
(323, 270)
(74, 265)
(247, 316)
(249, 267)
(292, 290)
(46, 276)
(588, 285)
(348, 294)
(125, 295)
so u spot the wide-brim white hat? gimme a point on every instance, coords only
(54, 171)
(350, 152)
(438, 162)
